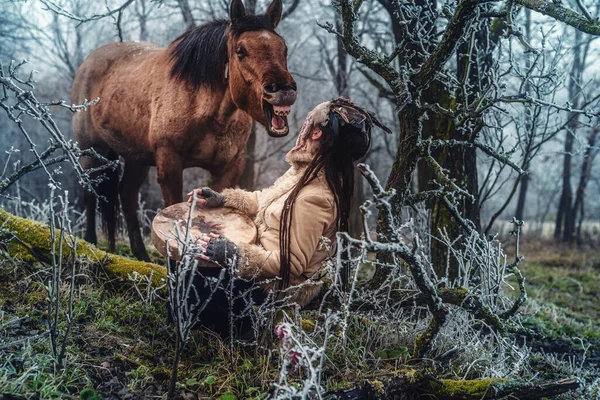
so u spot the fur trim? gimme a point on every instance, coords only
(241, 200)
(250, 261)
(306, 292)
(280, 188)
(299, 158)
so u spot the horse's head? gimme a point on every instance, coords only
(258, 77)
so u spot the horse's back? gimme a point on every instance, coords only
(102, 62)
(99, 76)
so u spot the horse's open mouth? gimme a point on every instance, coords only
(276, 116)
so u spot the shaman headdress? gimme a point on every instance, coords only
(345, 112)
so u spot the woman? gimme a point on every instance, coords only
(311, 201)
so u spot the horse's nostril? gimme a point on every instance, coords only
(272, 88)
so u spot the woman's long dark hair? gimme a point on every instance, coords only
(340, 147)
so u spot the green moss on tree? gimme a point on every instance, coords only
(463, 389)
(33, 237)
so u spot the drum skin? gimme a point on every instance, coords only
(171, 224)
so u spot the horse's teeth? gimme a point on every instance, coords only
(282, 111)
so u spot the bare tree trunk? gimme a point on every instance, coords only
(406, 161)
(560, 214)
(142, 14)
(251, 7)
(407, 157)
(566, 197)
(461, 161)
(342, 73)
(565, 220)
(584, 178)
(186, 13)
(520, 211)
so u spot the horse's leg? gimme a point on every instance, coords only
(129, 188)
(228, 176)
(90, 217)
(90, 205)
(90, 199)
(169, 169)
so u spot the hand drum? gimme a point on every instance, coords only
(169, 227)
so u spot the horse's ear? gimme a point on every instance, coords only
(236, 10)
(274, 12)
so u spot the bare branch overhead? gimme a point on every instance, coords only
(563, 14)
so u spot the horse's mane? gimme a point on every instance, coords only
(199, 56)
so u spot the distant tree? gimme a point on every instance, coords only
(591, 152)
(525, 177)
(13, 31)
(568, 207)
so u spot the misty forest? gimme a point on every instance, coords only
(436, 234)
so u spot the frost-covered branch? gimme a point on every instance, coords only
(375, 62)
(456, 28)
(481, 264)
(19, 102)
(58, 9)
(557, 11)
(503, 158)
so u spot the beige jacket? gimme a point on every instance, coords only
(313, 218)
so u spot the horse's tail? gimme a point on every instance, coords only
(108, 190)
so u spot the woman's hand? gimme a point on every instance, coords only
(219, 249)
(207, 197)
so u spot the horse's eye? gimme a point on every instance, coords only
(241, 52)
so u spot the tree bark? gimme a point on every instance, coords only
(411, 383)
(407, 156)
(557, 11)
(461, 161)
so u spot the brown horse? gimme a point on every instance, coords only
(188, 105)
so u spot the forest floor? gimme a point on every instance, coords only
(121, 346)
(563, 284)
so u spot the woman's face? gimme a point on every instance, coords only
(314, 140)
